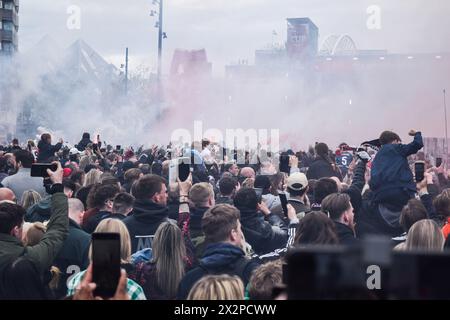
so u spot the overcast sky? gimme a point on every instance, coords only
(232, 29)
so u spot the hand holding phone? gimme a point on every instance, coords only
(285, 164)
(259, 192)
(438, 162)
(179, 169)
(87, 287)
(40, 169)
(284, 202)
(105, 263)
(419, 170)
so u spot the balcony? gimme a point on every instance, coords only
(6, 35)
(9, 15)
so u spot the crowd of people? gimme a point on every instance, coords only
(222, 233)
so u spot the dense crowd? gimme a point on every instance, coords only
(220, 234)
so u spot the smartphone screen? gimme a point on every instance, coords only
(284, 164)
(179, 168)
(284, 202)
(183, 170)
(419, 170)
(105, 263)
(40, 169)
(259, 192)
(438, 162)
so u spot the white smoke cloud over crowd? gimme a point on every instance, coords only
(350, 105)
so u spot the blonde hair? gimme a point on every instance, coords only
(425, 235)
(116, 226)
(200, 193)
(248, 183)
(168, 251)
(29, 198)
(92, 177)
(217, 287)
(400, 247)
(34, 234)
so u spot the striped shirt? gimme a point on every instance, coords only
(134, 290)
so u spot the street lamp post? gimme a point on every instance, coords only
(160, 38)
(446, 132)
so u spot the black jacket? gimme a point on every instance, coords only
(370, 220)
(219, 258)
(195, 223)
(174, 208)
(93, 221)
(47, 151)
(263, 236)
(83, 143)
(225, 200)
(143, 221)
(73, 255)
(345, 234)
(195, 230)
(320, 168)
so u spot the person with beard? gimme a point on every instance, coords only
(339, 208)
(149, 210)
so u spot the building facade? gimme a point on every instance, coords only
(9, 26)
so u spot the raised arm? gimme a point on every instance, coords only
(412, 148)
(57, 229)
(184, 217)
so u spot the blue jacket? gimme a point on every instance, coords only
(390, 169)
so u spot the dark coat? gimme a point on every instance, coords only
(195, 230)
(46, 250)
(47, 151)
(390, 168)
(219, 258)
(320, 168)
(263, 236)
(371, 221)
(92, 223)
(143, 221)
(225, 200)
(73, 253)
(345, 234)
(83, 143)
(195, 223)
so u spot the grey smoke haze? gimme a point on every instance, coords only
(231, 30)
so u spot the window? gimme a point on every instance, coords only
(8, 25)
(1, 24)
(8, 47)
(9, 5)
(1, 4)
